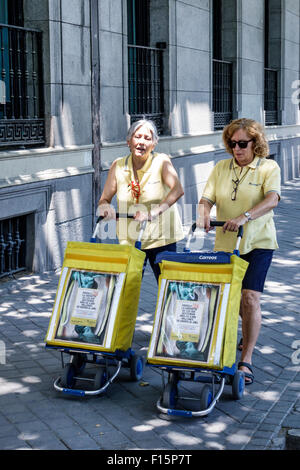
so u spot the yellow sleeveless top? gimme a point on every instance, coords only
(166, 228)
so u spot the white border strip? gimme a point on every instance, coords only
(56, 305)
(221, 324)
(157, 317)
(114, 309)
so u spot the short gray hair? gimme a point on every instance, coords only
(143, 122)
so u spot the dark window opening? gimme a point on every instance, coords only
(270, 76)
(145, 66)
(138, 22)
(15, 12)
(217, 29)
(222, 73)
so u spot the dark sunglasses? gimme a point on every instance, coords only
(241, 143)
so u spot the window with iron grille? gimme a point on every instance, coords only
(145, 66)
(21, 82)
(270, 76)
(13, 245)
(222, 73)
(271, 97)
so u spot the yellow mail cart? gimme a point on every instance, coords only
(194, 334)
(94, 314)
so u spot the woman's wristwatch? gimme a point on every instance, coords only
(248, 215)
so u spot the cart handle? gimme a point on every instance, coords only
(218, 223)
(215, 223)
(118, 216)
(138, 243)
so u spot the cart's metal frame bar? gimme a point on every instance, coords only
(74, 391)
(190, 414)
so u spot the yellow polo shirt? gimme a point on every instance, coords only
(164, 229)
(257, 179)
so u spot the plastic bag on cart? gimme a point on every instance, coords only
(188, 317)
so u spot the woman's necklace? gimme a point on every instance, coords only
(134, 187)
(237, 181)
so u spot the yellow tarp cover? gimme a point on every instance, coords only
(229, 277)
(123, 264)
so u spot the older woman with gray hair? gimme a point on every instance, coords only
(146, 186)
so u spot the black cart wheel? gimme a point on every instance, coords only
(136, 367)
(173, 377)
(238, 385)
(68, 379)
(206, 397)
(170, 395)
(79, 361)
(101, 378)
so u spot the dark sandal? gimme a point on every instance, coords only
(240, 345)
(247, 374)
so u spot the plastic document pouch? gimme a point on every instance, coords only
(97, 297)
(196, 314)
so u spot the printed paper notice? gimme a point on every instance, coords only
(86, 308)
(188, 316)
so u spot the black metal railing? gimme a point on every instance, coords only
(12, 245)
(21, 87)
(145, 81)
(271, 97)
(222, 93)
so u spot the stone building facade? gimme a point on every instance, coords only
(191, 65)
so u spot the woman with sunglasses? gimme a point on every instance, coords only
(245, 190)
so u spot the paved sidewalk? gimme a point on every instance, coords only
(34, 416)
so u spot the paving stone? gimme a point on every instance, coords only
(262, 434)
(46, 440)
(292, 421)
(112, 439)
(83, 443)
(31, 427)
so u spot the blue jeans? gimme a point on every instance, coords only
(151, 256)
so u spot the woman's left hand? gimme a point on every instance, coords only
(141, 216)
(233, 225)
(153, 214)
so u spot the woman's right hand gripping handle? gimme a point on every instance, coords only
(105, 211)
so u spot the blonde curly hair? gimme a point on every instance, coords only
(255, 131)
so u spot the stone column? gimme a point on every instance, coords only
(250, 59)
(190, 67)
(113, 70)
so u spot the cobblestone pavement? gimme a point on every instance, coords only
(33, 415)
